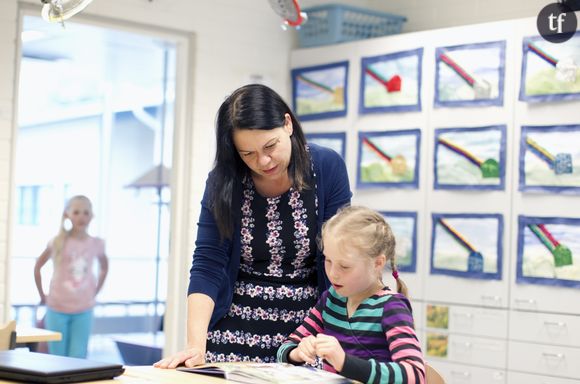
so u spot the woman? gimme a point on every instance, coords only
(256, 269)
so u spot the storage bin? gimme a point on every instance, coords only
(333, 23)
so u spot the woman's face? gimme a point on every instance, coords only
(266, 152)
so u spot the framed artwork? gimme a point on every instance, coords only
(391, 83)
(470, 75)
(437, 316)
(437, 344)
(467, 245)
(389, 159)
(548, 251)
(404, 227)
(470, 158)
(320, 91)
(335, 141)
(550, 71)
(550, 159)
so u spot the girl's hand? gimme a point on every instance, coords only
(305, 352)
(190, 357)
(329, 349)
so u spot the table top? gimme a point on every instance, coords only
(35, 335)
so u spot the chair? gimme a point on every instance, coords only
(432, 376)
(8, 336)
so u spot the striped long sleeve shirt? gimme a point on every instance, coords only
(379, 338)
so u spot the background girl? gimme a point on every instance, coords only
(73, 286)
(361, 328)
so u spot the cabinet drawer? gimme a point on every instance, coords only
(466, 374)
(545, 328)
(526, 378)
(544, 359)
(468, 320)
(479, 351)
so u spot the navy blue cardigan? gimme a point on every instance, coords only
(215, 265)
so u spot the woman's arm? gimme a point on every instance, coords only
(199, 310)
(40, 261)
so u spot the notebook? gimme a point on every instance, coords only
(32, 367)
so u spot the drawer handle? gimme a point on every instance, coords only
(461, 314)
(461, 373)
(494, 298)
(551, 355)
(559, 324)
(525, 301)
(465, 344)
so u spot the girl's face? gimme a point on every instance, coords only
(80, 214)
(266, 152)
(352, 275)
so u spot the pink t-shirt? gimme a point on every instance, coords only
(73, 286)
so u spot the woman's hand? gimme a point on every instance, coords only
(329, 349)
(190, 357)
(305, 352)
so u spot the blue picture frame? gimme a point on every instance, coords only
(316, 90)
(474, 80)
(399, 172)
(412, 266)
(320, 138)
(549, 162)
(475, 261)
(540, 68)
(365, 80)
(458, 156)
(546, 258)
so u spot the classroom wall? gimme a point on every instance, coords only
(234, 40)
(432, 14)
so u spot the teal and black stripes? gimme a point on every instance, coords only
(379, 339)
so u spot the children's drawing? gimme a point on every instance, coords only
(404, 227)
(391, 83)
(335, 141)
(470, 75)
(437, 344)
(320, 91)
(470, 158)
(550, 71)
(549, 251)
(550, 159)
(467, 245)
(437, 316)
(389, 159)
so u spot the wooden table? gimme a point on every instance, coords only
(30, 337)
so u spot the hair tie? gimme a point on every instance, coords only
(396, 274)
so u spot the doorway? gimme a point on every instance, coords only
(96, 117)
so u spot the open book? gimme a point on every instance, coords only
(257, 373)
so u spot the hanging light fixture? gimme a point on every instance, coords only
(57, 11)
(290, 12)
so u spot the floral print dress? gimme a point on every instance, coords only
(276, 285)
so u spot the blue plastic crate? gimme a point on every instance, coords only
(334, 23)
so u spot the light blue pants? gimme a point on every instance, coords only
(75, 329)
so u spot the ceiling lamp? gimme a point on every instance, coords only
(57, 11)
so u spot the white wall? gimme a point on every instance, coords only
(234, 40)
(432, 14)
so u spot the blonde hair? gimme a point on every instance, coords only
(60, 238)
(366, 231)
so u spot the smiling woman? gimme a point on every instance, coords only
(256, 269)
